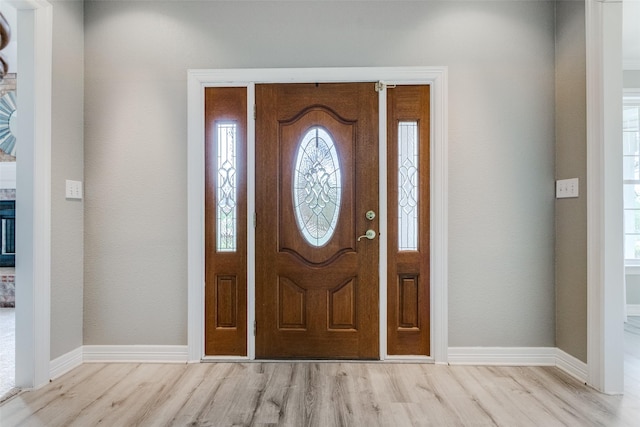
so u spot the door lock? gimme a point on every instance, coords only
(370, 215)
(370, 234)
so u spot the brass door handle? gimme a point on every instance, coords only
(370, 234)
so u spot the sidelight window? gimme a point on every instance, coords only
(408, 186)
(226, 134)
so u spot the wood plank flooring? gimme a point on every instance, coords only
(318, 394)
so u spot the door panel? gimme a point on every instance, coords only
(225, 238)
(408, 276)
(316, 284)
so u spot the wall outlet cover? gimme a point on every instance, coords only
(567, 188)
(73, 189)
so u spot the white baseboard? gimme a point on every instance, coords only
(633, 309)
(505, 356)
(135, 353)
(572, 366)
(65, 363)
(519, 356)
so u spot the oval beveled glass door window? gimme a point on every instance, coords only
(317, 186)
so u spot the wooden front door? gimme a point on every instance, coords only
(317, 291)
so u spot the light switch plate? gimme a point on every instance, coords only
(74, 189)
(566, 188)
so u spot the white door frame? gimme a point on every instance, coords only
(33, 191)
(200, 79)
(605, 255)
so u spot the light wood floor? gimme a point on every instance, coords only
(317, 394)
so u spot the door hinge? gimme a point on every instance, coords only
(255, 114)
(255, 327)
(380, 86)
(255, 220)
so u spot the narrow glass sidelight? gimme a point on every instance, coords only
(408, 178)
(226, 134)
(317, 187)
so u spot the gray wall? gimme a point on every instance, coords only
(501, 146)
(633, 289)
(571, 162)
(631, 79)
(67, 160)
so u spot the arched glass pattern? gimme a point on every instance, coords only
(317, 186)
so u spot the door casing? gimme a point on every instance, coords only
(436, 77)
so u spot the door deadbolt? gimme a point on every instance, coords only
(370, 215)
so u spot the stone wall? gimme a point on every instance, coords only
(7, 289)
(8, 84)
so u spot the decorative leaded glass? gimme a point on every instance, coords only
(408, 186)
(317, 186)
(227, 187)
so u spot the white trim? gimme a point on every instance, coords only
(594, 203)
(33, 230)
(222, 359)
(195, 219)
(251, 231)
(519, 356)
(440, 218)
(65, 363)
(135, 353)
(605, 273)
(28, 4)
(382, 220)
(633, 309)
(631, 65)
(409, 359)
(631, 95)
(572, 366)
(198, 79)
(471, 356)
(503, 356)
(632, 270)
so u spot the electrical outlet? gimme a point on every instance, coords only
(74, 189)
(566, 188)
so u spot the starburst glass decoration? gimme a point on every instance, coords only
(317, 186)
(8, 123)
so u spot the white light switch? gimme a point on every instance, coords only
(567, 188)
(74, 190)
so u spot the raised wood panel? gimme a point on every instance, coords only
(342, 306)
(226, 302)
(292, 305)
(408, 302)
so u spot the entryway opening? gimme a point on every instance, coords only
(8, 133)
(320, 198)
